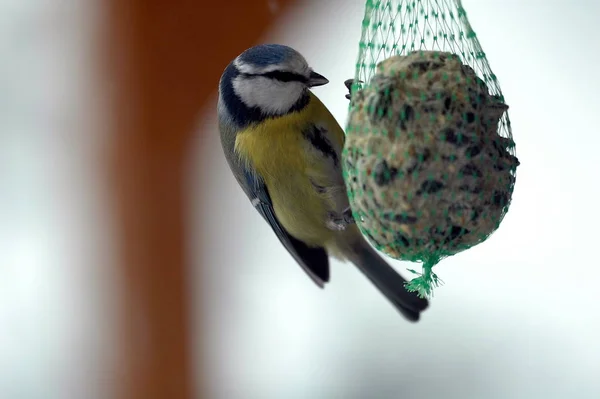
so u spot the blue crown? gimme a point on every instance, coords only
(267, 54)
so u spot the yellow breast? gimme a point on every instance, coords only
(276, 150)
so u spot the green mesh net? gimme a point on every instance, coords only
(429, 160)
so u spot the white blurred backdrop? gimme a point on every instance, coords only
(56, 292)
(519, 315)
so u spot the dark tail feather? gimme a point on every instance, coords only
(387, 280)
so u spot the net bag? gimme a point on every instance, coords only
(429, 159)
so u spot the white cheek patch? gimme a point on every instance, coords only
(267, 94)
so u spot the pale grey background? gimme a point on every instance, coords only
(55, 253)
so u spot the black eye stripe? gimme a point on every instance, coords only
(282, 76)
(285, 76)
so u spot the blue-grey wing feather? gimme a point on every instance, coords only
(314, 261)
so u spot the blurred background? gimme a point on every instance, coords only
(132, 265)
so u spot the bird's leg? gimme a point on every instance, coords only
(335, 222)
(347, 215)
(338, 222)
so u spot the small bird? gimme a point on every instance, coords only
(284, 149)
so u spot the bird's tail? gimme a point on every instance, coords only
(353, 247)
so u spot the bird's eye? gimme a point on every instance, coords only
(285, 76)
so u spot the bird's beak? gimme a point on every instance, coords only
(316, 80)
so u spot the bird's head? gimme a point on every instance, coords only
(269, 79)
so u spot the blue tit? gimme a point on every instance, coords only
(284, 149)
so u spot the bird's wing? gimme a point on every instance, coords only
(314, 261)
(323, 150)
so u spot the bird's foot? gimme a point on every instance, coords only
(347, 215)
(339, 222)
(348, 83)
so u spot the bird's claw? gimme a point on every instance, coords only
(347, 215)
(339, 222)
(348, 83)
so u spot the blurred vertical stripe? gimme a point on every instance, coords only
(166, 59)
